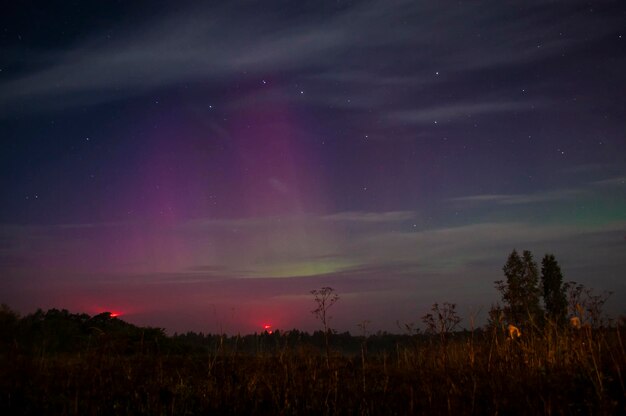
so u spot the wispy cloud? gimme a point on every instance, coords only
(160, 53)
(213, 44)
(518, 199)
(458, 111)
(370, 217)
(611, 182)
(582, 190)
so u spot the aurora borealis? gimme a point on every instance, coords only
(205, 166)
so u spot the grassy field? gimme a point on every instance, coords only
(65, 364)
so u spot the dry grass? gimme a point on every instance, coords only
(557, 371)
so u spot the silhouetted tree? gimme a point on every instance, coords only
(442, 320)
(520, 292)
(554, 296)
(9, 320)
(324, 298)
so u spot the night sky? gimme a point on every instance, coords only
(205, 165)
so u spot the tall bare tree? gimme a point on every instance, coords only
(324, 298)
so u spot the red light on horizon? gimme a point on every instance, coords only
(267, 328)
(113, 312)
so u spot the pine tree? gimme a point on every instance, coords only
(554, 296)
(520, 292)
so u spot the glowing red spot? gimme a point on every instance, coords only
(112, 312)
(267, 328)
